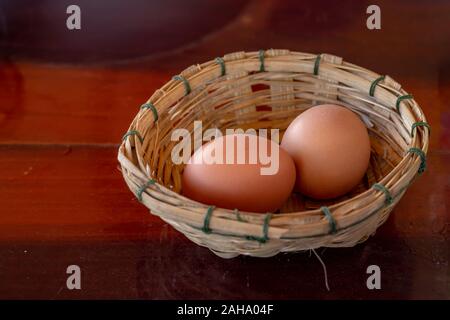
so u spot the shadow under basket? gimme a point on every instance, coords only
(264, 90)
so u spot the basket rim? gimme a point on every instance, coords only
(411, 160)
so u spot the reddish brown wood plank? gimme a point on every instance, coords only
(69, 205)
(51, 193)
(48, 104)
(43, 104)
(58, 192)
(175, 269)
(63, 205)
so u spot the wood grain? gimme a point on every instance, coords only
(63, 200)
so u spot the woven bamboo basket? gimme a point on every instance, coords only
(268, 89)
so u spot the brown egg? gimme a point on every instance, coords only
(331, 150)
(255, 183)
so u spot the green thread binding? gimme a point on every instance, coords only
(142, 189)
(133, 133)
(262, 67)
(330, 218)
(187, 86)
(265, 236)
(420, 124)
(374, 84)
(387, 193)
(400, 99)
(238, 215)
(317, 64)
(152, 107)
(221, 62)
(423, 158)
(207, 220)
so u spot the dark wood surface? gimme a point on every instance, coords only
(67, 98)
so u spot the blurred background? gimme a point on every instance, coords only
(155, 39)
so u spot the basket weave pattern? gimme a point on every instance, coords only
(264, 90)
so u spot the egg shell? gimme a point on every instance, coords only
(331, 149)
(241, 186)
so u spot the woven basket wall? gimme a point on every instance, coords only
(268, 89)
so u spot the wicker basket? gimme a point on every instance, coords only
(268, 89)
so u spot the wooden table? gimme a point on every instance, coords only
(67, 97)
